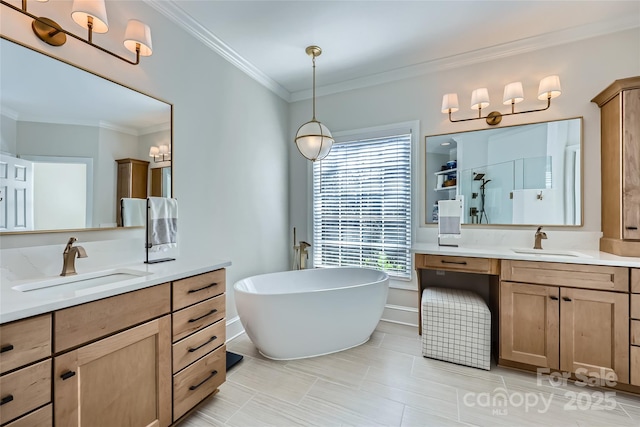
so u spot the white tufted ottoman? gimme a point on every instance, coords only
(456, 327)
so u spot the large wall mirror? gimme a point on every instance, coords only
(527, 174)
(65, 135)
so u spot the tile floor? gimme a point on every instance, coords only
(387, 382)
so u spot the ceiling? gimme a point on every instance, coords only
(370, 42)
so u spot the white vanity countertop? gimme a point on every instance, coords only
(582, 256)
(15, 304)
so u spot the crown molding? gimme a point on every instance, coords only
(504, 50)
(155, 128)
(184, 20)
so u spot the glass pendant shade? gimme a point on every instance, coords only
(138, 32)
(314, 140)
(83, 9)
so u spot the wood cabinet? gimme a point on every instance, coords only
(199, 354)
(620, 166)
(634, 366)
(546, 324)
(25, 364)
(122, 380)
(131, 182)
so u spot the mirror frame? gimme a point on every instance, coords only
(171, 106)
(423, 194)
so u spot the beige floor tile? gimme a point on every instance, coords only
(403, 344)
(398, 329)
(331, 368)
(388, 360)
(197, 420)
(376, 339)
(227, 402)
(243, 345)
(368, 405)
(264, 410)
(415, 418)
(632, 411)
(270, 378)
(461, 377)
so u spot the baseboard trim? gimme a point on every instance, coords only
(234, 328)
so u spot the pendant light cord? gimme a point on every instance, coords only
(314, 87)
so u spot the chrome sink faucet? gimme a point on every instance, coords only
(539, 236)
(69, 257)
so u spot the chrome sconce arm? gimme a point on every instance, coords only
(137, 35)
(513, 94)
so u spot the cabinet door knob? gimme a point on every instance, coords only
(67, 375)
(204, 315)
(566, 299)
(631, 228)
(191, 291)
(213, 338)
(6, 399)
(553, 297)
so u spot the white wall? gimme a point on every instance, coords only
(8, 132)
(230, 139)
(585, 67)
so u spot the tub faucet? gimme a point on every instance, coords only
(304, 255)
(69, 257)
(539, 236)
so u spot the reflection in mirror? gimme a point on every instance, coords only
(63, 130)
(526, 174)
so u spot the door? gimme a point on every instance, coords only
(594, 333)
(529, 324)
(123, 380)
(631, 165)
(16, 194)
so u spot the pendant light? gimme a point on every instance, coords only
(313, 139)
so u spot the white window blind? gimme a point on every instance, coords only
(362, 205)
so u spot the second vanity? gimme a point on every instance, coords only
(142, 351)
(571, 312)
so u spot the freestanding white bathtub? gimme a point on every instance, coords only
(307, 313)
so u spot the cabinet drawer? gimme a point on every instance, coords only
(567, 275)
(196, 317)
(635, 280)
(43, 417)
(198, 381)
(635, 366)
(198, 288)
(196, 345)
(27, 388)
(458, 263)
(635, 306)
(635, 332)
(87, 322)
(25, 341)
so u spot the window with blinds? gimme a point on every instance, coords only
(362, 205)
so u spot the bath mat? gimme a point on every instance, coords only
(233, 359)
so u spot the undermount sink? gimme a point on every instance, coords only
(550, 252)
(80, 281)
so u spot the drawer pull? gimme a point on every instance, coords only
(6, 399)
(453, 262)
(213, 338)
(191, 291)
(213, 374)
(553, 297)
(632, 228)
(215, 310)
(6, 348)
(566, 299)
(67, 375)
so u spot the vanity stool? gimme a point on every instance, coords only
(456, 327)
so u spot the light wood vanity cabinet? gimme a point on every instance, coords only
(199, 354)
(620, 162)
(548, 320)
(635, 327)
(25, 365)
(118, 369)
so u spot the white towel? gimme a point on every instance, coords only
(162, 225)
(134, 212)
(449, 218)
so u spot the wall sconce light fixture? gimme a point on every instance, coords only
(549, 88)
(313, 139)
(92, 15)
(161, 153)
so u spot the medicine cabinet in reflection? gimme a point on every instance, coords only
(519, 175)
